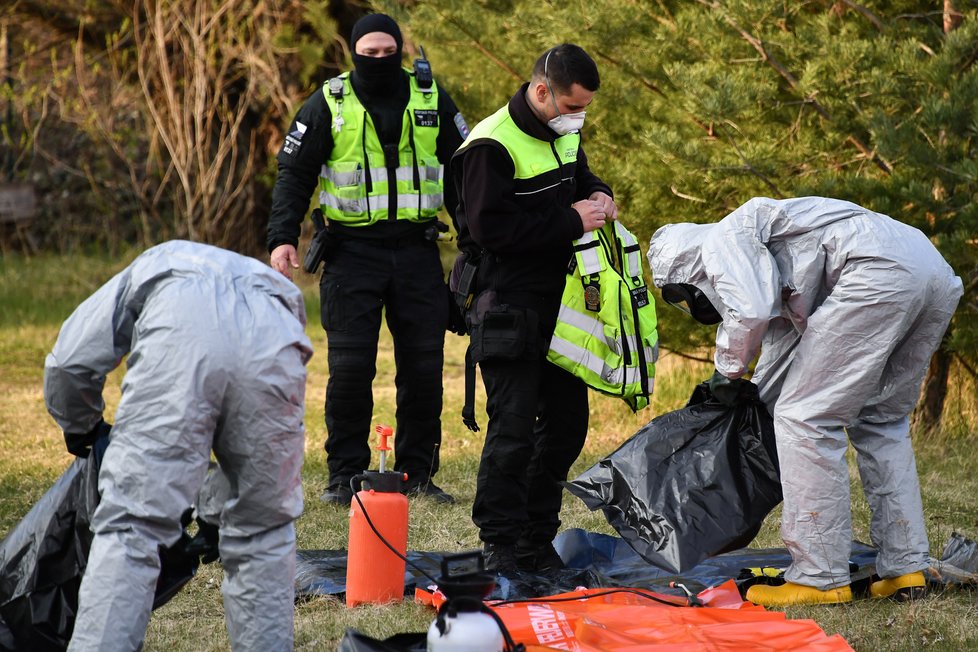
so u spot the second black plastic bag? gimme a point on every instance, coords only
(691, 483)
(44, 556)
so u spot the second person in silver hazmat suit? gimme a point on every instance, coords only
(216, 361)
(846, 307)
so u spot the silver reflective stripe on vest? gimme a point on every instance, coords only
(421, 202)
(633, 261)
(595, 328)
(379, 175)
(586, 359)
(382, 202)
(588, 324)
(425, 172)
(346, 205)
(353, 178)
(588, 259)
(651, 354)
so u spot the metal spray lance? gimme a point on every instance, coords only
(385, 432)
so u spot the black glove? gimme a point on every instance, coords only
(727, 391)
(205, 542)
(456, 320)
(81, 445)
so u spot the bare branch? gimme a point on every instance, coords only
(871, 154)
(676, 192)
(686, 356)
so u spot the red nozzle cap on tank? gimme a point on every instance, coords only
(385, 432)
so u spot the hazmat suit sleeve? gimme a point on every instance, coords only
(746, 278)
(92, 342)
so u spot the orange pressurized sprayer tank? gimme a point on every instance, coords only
(374, 573)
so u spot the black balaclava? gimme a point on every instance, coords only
(375, 74)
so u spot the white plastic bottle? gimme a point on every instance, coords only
(467, 631)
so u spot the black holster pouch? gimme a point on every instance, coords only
(504, 333)
(465, 290)
(317, 248)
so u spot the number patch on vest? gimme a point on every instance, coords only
(426, 117)
(640, 297)
(592, 297)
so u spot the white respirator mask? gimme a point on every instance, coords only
(564, 123)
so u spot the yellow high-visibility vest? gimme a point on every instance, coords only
(354, 183)
(606, 328)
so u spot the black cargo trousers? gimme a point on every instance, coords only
(364, 279)
(538, 421)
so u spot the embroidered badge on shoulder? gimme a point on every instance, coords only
(463, 128)
(293, 140)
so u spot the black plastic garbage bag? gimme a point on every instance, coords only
(354, 641)
(43, 558)
(690, 484)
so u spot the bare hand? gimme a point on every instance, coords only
(607, 204)
(592, 214)
(284, 259)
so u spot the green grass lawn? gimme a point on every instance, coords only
(37, 294)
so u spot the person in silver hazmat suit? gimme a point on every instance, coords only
(216, 350)
(846, 307)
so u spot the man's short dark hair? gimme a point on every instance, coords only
(566, 65)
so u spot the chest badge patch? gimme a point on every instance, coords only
(592, 296)
(426, 117)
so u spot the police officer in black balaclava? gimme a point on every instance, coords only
(378, 72)
(376, 142)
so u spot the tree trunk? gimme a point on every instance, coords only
(926, 417)
(952, 17)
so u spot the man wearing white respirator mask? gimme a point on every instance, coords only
(526, 193)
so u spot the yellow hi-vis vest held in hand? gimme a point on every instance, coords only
(354, 184)
(605, 332)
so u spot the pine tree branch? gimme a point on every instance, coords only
(665, 10)
(749, 166)
(758, 45)
(870, 16)
(972, 284)
(481, 48)
(969, 61)
(644, 82)
(870, 154)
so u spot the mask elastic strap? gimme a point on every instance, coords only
(546, 79)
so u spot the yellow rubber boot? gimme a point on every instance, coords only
(911, 586)
(789, 594)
